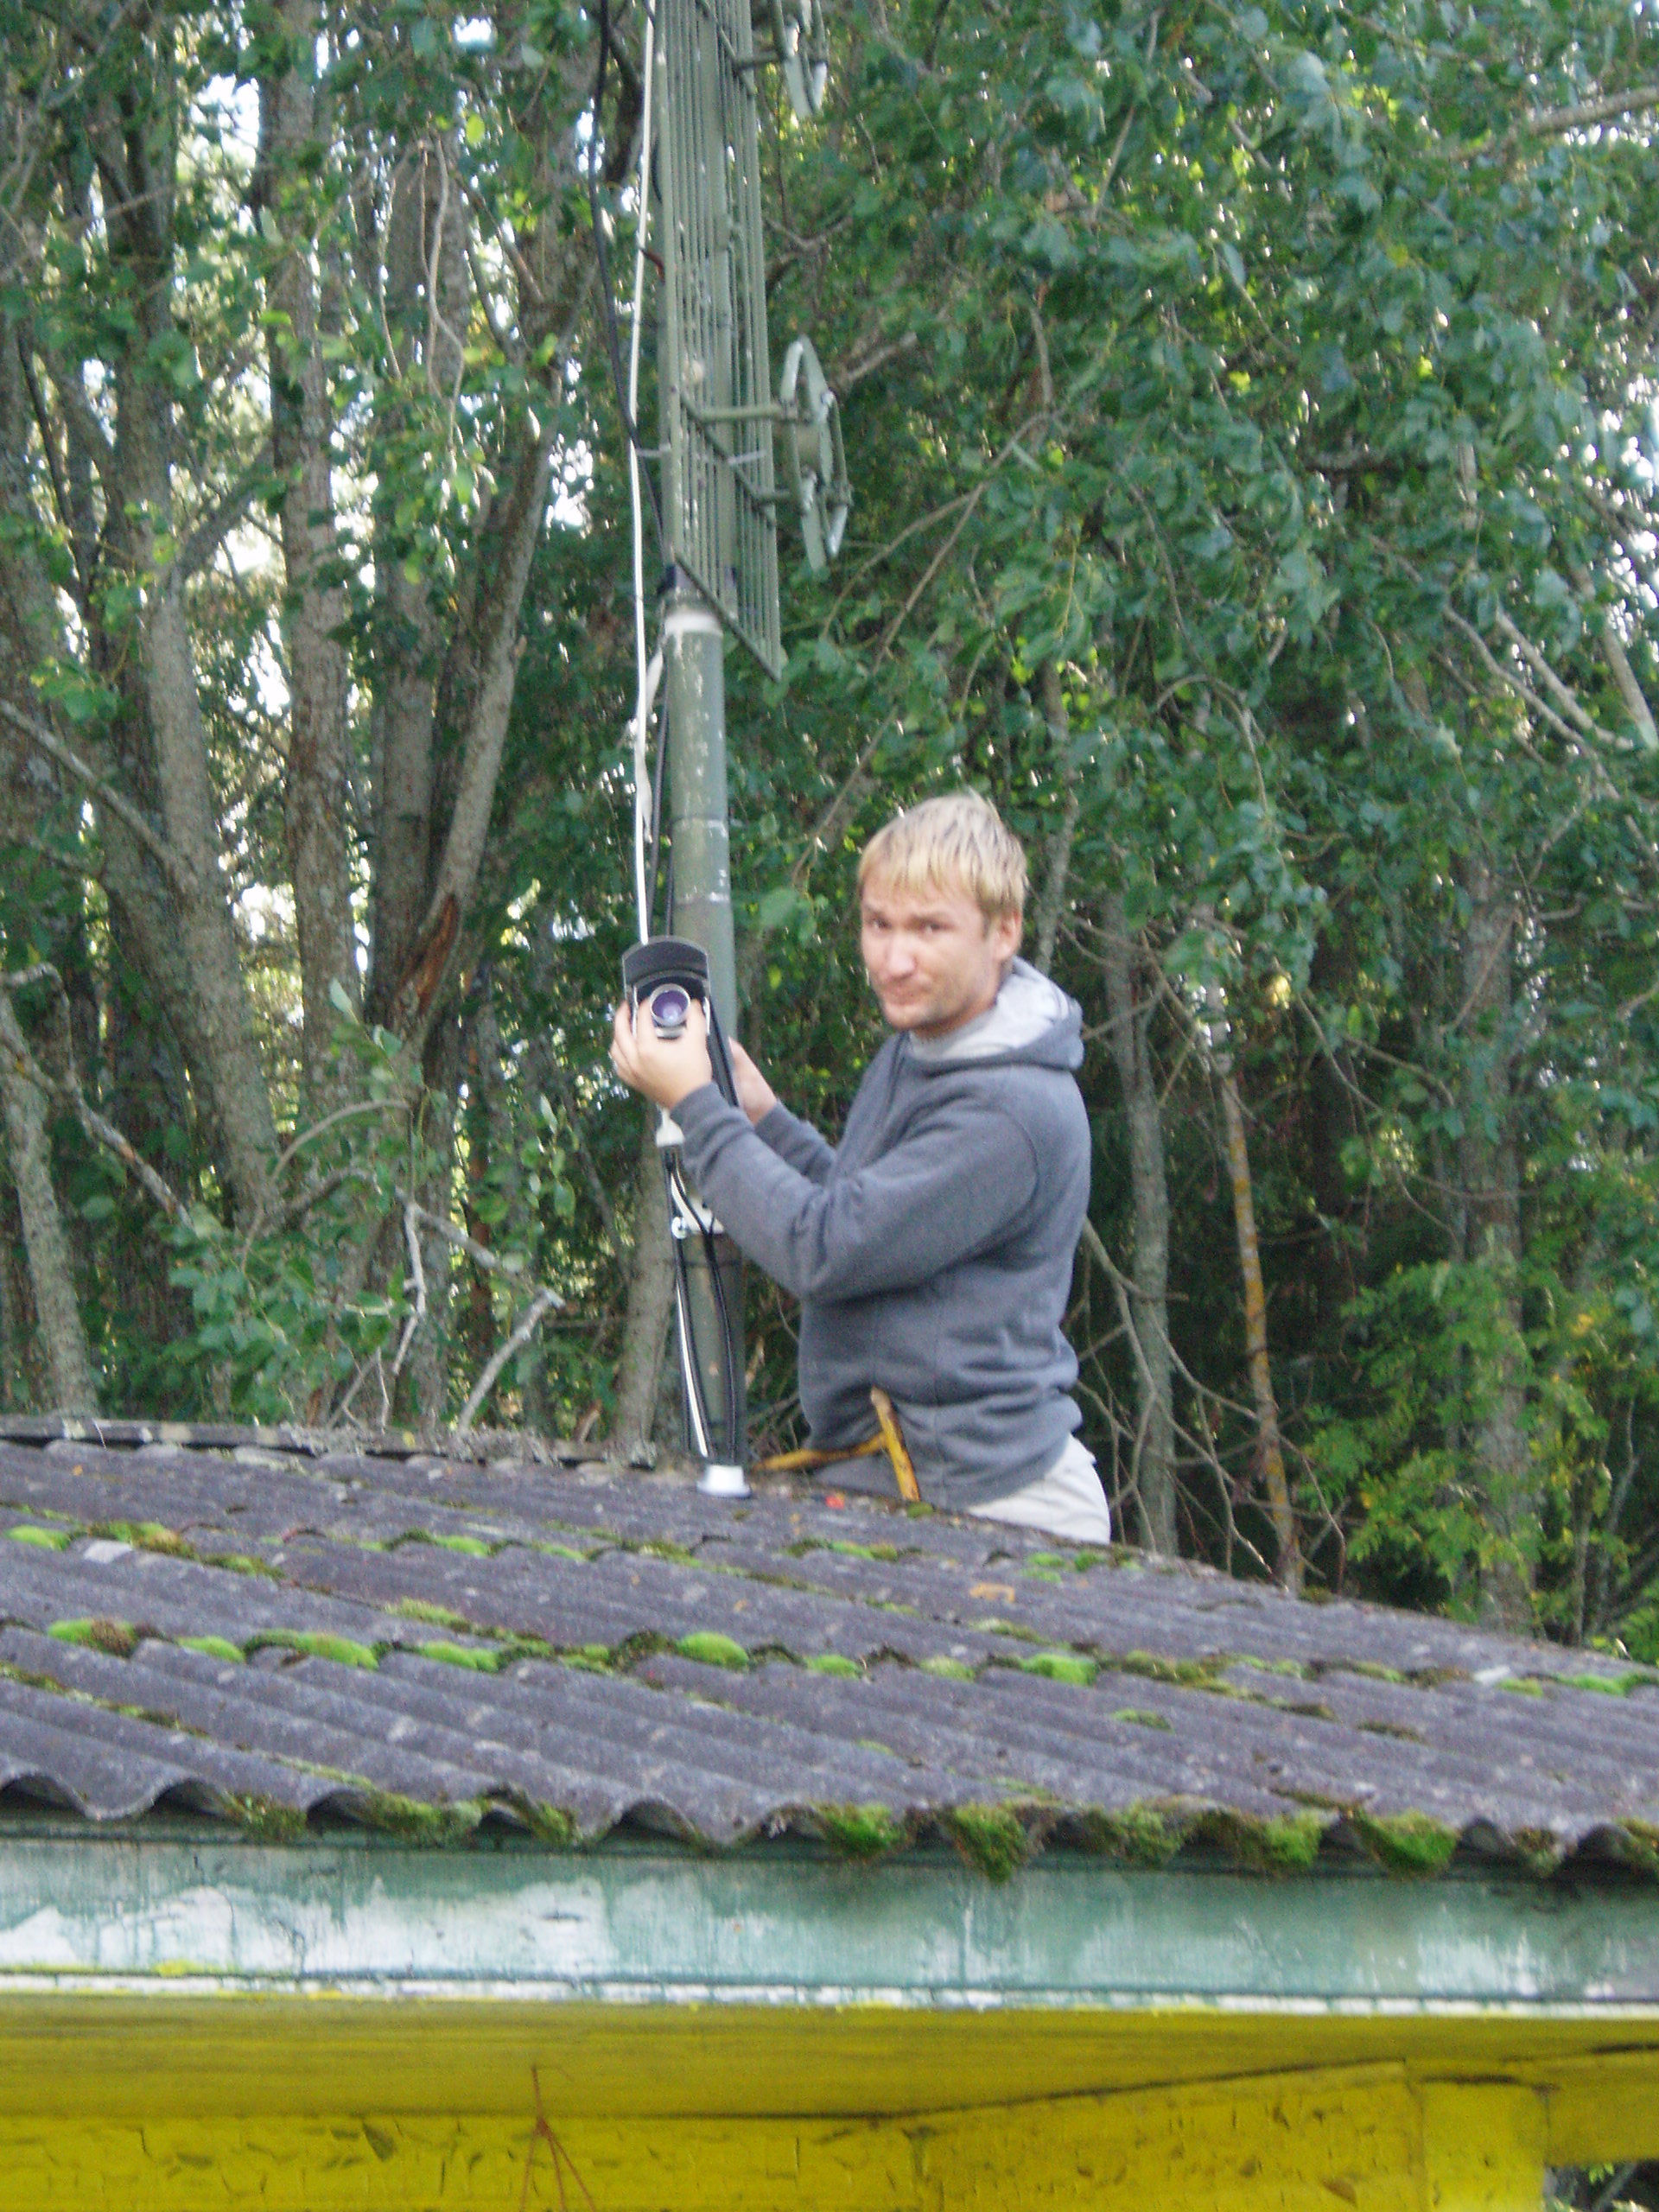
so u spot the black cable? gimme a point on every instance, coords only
(612, 336)
(728, 1346)
(726, 1078)
(719, 1058)
(680, 1207)
(657, 814)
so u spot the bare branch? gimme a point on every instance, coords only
(522, 1335)
(79, 413)
(1545, 122)
(351, 1113)
(61, 498)
(67, 1087)
(543, 1301)
(178, 871)
(1015, 445)
(843, 375)
(221, 519)
(481, 1253)
(417, 1283)
(1564, 697)
(1524, 692)
(1619, 666)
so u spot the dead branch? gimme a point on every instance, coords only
(540, 1303)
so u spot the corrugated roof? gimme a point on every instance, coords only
(281, 1631)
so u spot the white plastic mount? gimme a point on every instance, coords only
(719, 1478)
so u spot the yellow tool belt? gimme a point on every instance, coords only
(886, 1439)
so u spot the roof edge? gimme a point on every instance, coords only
(791, 1925)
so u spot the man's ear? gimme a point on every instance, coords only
(1005, 933)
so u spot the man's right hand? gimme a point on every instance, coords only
(754, 1094)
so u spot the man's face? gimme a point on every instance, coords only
(933, 960)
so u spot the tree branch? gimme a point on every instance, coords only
(522, 1335)
(210, 533)
(1545, 122)
(179, 873)
(67, 1087)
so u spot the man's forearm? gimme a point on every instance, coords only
(796, 1143)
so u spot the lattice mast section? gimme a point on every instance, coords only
(717, 407)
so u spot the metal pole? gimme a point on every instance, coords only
(694, 684)
(694, 679)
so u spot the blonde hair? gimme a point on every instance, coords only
(956, 843)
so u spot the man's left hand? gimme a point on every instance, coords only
(664, 1069)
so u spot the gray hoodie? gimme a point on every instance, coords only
(932, 1251)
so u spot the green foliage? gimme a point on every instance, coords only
(1427, 1345)
(278, 1321)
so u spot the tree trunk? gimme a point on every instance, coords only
(24, 1384)
(218, 1021)
(428, 1372)
(51, 1273)
(408, 645)
(213, 1017)
(440, 750)
(149, 1103)
(651, 1303)
(317, 783)
(1051, 903)
(1270, 1454)
(1289, 1568)
(1154, 1463)
(1270, 1450)
(1490, 1171)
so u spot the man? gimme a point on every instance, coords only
(932, 1251)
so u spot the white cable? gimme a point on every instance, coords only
(646, 685)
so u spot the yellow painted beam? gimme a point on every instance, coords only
(1484, 2146)
(1601, 2110)
(1367, 2138)
(200, 2058)
(314, 2105)
(1309, 2147)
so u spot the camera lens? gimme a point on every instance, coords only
(670, 1006)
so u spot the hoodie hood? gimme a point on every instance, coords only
(1032, 1021)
